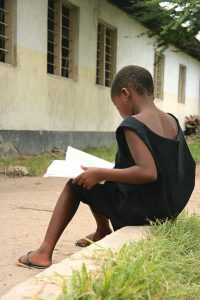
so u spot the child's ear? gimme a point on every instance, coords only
(125, 92)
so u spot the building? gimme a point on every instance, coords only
(57, 61)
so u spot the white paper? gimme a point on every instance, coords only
(71, 166)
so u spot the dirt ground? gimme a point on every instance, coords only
(26, 206)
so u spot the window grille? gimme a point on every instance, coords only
(182, 84)
(158, 75)
(62, 22)
(6, 31)
(106, 54)
(51, 67)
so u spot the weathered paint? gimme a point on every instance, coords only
(34, 142)
(31, 99)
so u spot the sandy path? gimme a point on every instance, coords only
(26, 206)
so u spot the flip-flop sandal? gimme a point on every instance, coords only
(29, 264)
(88, 241)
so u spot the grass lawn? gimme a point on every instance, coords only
(195, 150)
(165, 266)
(37, 165)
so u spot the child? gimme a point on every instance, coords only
(153, 177)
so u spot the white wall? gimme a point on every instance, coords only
(173, 58)
(32, 24)
(31, 99)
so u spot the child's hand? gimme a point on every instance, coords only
(89, 178)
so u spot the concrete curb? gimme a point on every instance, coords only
(46, 285)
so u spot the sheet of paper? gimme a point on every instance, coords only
(63, 168)
(71, 166)
(86, 159)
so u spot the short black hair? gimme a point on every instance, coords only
(135, 77)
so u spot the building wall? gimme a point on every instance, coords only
(36, 100)
(171, 75)
(31, 99)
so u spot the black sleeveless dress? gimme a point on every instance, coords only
(138, 204)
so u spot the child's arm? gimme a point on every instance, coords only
(143, 171)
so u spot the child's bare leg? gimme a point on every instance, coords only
(103, 229)
(64, 210)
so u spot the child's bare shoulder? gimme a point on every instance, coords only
(159, 122)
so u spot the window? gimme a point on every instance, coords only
(106, 54)
(181, 84)
(6, 31)
(62, 29)
(158, 75)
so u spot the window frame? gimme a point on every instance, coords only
(105, 67)
(158, 75)
(58, 43)
(8, 33)
(182, 83)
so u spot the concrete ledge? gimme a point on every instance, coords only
(46, 285)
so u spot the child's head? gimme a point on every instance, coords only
(135, 78)
(131, 86)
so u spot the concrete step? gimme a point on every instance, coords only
(47, 285)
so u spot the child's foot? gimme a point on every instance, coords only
(35, 259)
(94, 237)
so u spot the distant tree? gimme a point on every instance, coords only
(183, 13)
(173, 22)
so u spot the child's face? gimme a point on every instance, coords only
(123, 105)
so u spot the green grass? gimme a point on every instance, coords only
(195, 150)
(37, 165)
(107, 153)
(164, 267)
